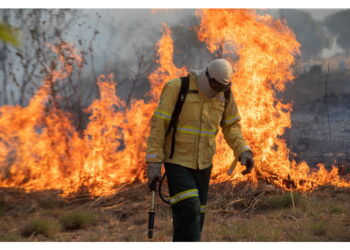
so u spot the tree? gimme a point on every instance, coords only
(140, 69)
(310, 33)
(22, 70)
(337, 24)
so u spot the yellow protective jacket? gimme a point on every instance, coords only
(196, 129)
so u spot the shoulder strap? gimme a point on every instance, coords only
(185, 82)
(227, 95)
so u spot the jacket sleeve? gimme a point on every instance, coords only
(231, 129)
(160, 121)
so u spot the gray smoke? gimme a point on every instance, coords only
(120, 30)
(310, 33)
(337, 25)
(109, 40)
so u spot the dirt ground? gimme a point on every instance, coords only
(235, 213)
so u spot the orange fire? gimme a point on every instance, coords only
(40, 149)
(166, 70)
(266, 51)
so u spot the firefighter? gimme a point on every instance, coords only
(188, 163)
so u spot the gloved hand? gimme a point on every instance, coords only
(246, 159)
(153, 172)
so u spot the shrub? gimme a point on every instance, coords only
(281, 201)
(50, 203)
(45, 226)
(337, 209)
(77, 219)
(2, 211)
(318, 228)
(2, 207)
(8, 237)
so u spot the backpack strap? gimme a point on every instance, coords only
(227, 95)
(185, 82)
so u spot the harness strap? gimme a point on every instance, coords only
(185, 82)
(227, 95)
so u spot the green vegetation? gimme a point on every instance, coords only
(337, 209)
(319, 228)
(77, 219)
(50, 203)
(2, 207)
(10, 237)
(281, 201)
(2, 211)
(47, 227)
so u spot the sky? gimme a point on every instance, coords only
(121, 28)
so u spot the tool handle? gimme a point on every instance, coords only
(150, 224)
(153, 186)
(233, 166)
(152, 213)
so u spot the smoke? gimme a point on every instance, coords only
(107, 39)
(119, 30)
(309, 32)
(336, 23)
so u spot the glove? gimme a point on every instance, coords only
(153, 172)
(246, 159)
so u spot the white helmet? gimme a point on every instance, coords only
(220, 70)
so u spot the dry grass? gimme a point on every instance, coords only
(77, 219)
(235, 213)
(47, 227)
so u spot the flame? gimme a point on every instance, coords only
(33, 140)
(166, 70)
(40, 149)
(266, 50)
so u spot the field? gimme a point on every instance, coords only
(235, 213)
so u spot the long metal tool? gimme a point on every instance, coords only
(233, 166)
(152, 211)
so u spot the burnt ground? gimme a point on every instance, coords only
(320, 118)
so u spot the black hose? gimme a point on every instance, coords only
(160, 190)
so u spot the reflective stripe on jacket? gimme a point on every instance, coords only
(197, 127)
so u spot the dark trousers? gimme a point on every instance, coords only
(188, 190)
